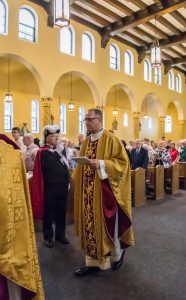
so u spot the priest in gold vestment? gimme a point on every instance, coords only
(19, 269)
(102, 199)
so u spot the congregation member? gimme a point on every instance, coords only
(183, 151)
(18, 139)
(174, 153)
(81, 139)
(68, 151)
(162, 156)
(50, 186)
(102, 199)
(19, 268)
(139, 156)
(30, 151)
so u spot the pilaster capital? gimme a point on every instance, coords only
(181, 122)
(162, 119)
(136, 115)
(46, 101)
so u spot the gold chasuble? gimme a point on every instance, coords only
(18, 252)
(90, 200)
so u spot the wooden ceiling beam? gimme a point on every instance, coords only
(87, 14)
(138, 3)
(134, 38)
(160, 32)
(119, 6)
(142, 16)
(84, 22)
(164, 43)
(179, 18)
(101, 9)
(174, 62)
(142, 32)
(174, 51)
(168, 25)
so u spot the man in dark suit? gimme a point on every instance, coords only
(52, 166)
(139, 156)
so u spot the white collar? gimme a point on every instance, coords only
(96, 136)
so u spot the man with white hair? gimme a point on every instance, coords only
(30, 151)
(50, 186)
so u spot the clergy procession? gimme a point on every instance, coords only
(35, 185)
(92, 149)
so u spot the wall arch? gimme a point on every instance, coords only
(87, 80)
(31, 68)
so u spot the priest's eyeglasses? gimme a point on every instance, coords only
(89, 119)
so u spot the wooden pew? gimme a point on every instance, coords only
(172, 179)
(182, 175)
(138, 187)
(155, 183)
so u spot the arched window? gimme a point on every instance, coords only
(168, 124)
(88, 46)
(171, 80)
(125, 119)
(3, 17)
(8, 116)
(27, 24)
(178, 83)
(114, 57)
(35, 116)
(129, 63)
(67, 40)
(157, 76)
(63, 118)
(81, 119)
(147, 70)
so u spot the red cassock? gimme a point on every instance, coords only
(37, 190)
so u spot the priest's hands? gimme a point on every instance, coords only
(94, 164)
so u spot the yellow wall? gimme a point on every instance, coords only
(43, 74)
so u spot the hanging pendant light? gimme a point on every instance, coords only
(115, 111)
(8, 95)
(155, 52)
(71, 106)
(61, 13)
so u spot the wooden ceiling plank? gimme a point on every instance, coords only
(158, 31)
(174, 51)
(143, 16)
(84, 22)
(143, 32)
(138, 3)
(168, 25)
(179, 18)
(135, 38)
(103, 10)
(85, 13)
(121, 7)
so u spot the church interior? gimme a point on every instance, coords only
(128, 59)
